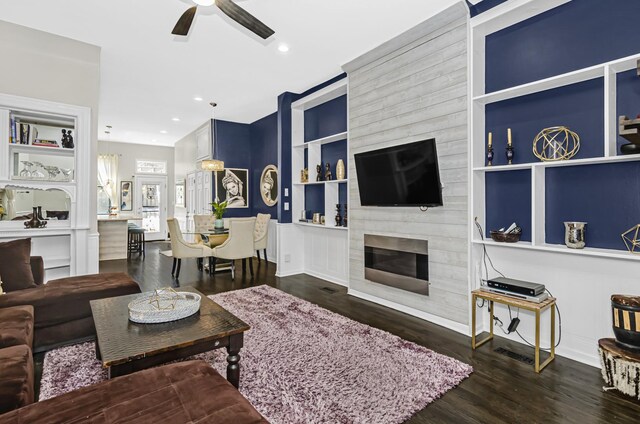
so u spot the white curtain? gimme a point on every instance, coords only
(108, 176)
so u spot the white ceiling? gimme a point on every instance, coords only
(149, 76)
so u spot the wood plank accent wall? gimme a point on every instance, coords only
(411, 88)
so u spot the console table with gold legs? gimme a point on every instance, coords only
(536, 308)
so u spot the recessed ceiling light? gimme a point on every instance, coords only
(175, 119)
(283, 48)
(163, 132)
(197, 99)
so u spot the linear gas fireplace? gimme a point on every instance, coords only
(397, 262)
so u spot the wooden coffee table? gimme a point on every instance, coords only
(124, 347)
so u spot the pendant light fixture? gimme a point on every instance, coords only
(213, 165)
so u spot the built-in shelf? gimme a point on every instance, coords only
(324, 140)
(321, 182)
(324, 227)
(574, 77)
(558, 248)
(26, 148)
(571, 162)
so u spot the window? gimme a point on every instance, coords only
(151, 167)
(104, 204)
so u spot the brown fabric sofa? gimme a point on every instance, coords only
(186, 392)
(61, 307)
(16, 361)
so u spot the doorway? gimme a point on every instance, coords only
(151, 206)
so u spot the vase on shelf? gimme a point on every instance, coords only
(340, 173)
(218, 224)
(35, 222)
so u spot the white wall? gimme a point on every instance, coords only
(128, 153)
(184, 162)
(44, 66)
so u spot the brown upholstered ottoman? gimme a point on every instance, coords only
(16, 326)
(61, 307)
(16, 378)
(186, 392)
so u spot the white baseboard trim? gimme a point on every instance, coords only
(289, 273)
(447, 323)
(328, 278)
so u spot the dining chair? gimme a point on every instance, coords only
(239, 244)
(182, 250)
(261, 234)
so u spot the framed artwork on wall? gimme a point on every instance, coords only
(232, 185)
(126, 196)
(180, 193)
(269, 185)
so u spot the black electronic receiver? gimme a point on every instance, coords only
(516, 286)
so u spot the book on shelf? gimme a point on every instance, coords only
(23, 133)
(45, 143)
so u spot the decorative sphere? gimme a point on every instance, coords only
(556, 143)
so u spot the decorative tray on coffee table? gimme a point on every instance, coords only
(163, 305)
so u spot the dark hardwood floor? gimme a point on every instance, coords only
(501, 389)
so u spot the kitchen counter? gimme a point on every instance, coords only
(114, 236)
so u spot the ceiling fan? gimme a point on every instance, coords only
(230, 9)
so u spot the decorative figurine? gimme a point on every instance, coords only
(509, 147)
(67, 139)
(340, 172)
(344, 220)
(327, 173)
(35, 222)
(338, 216)
(490, 150)
(319, 172)
(304, 175)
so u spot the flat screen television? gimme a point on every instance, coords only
(405, 175)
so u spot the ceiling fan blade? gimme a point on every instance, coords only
(244, 18)
(184, 23)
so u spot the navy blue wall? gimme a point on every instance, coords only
(483, 6)
(575, 35)
(579, 107)
(326, 119)
(234, 148)
(331, 153)
(609, 202)
(264, 151)
(508, 199)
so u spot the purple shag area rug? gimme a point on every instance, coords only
(302, 364)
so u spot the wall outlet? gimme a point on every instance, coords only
(286, 192)
(287, 258)
(286, 206)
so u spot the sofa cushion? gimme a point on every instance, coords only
(186, 392)
(16, 378)
(15, 266)
(16, 326)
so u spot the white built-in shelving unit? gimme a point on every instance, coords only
(318, 250)
(499, 18)
(65, 245)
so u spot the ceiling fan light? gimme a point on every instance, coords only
(204, 2)
(212, 165)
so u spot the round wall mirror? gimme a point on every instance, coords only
(269, 185)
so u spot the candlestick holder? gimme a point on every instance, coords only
(489, 155)
(510, 154)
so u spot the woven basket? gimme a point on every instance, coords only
(505, 238)
(163, 306)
